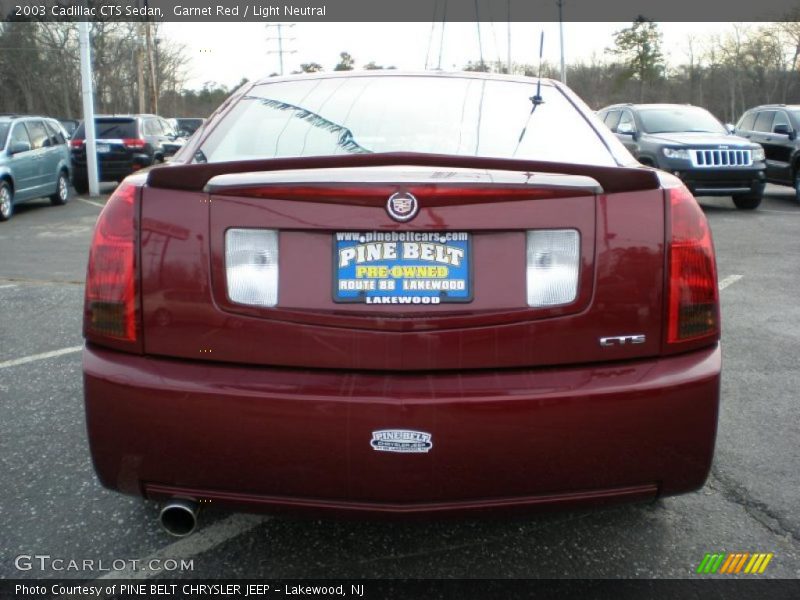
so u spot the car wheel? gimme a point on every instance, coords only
(6, 201)
(747, 201)
(81, 186)
(61, 196)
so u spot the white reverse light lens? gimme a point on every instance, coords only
(553, 266)
(251, 266)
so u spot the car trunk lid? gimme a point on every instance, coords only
(188, 310)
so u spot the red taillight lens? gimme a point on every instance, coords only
(111, 303)
(134, 143)
(693, 297)
(76, 143)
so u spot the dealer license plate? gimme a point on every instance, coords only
(402, 267)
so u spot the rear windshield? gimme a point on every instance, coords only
(441, 115)
(110, 129)
(3, 133)
(679, 120)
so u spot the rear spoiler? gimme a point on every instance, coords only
(194, 177)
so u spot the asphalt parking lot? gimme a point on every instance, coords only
(52, 504)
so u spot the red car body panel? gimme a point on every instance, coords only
(259, 408)
(267, 438)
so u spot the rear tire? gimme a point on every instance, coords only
(797, 187)
(6, 201)
(81, 186)
(747, 201)
(61, 196)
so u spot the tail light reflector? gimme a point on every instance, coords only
(553, 266)
(76, 143)
(693, 296)
(251, 266)
(111, 307)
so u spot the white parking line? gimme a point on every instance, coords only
(10, 285)
(42, 356)
(197, 543)
(783, 212)
(729, 280)
(92, 202)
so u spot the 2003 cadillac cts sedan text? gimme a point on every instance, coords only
(398, 293)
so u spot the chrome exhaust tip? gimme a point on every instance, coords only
(179, 517)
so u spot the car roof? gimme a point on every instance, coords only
(653, 105)
(12, 116)
(789, 106)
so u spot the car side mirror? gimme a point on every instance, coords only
(18, 148)
(783, 129)
(626, 129)
(730, 127)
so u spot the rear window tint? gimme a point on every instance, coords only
(440, 115)
(110, 129)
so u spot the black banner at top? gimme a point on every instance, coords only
(397, 11)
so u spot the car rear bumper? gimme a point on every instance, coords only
(275, 439)
(113, 170)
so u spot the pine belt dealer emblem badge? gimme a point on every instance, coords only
(402, 206)
(401, 440)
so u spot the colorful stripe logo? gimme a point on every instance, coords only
(734, 563)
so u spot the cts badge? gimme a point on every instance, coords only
(622, 340)
(402, 206)
(401, 440)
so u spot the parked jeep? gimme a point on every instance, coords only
(775, 127)
(688, 141)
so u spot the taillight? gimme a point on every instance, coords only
(76, 143)
(134, 143)
(693, 297)
(111, 307)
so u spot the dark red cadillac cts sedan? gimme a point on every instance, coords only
(401, 293)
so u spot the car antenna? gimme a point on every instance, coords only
(536, 99)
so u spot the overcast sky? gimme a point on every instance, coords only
(227, 52)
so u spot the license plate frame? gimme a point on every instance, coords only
(458, 261)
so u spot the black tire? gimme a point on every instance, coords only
(6, 200)
(81, 186)
(61, 196)
(747, 201)
(797, 186)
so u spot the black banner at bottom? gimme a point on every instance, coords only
(263, 589)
